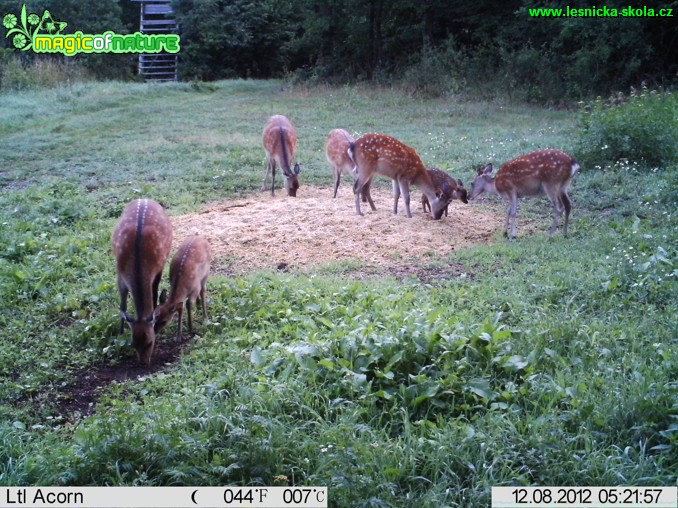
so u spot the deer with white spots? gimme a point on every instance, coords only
(141, 243)
(547, 172)
(336, 152)
(384, 155)
(189, 270)
(280, 143)
(455, 188)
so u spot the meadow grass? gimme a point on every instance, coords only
(548, 362)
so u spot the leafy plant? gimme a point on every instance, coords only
(641, 127)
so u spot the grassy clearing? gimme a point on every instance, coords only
(547, 363)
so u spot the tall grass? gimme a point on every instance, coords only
(549, 362)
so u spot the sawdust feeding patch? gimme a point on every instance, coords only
(313, 229)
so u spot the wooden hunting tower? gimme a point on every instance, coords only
(157, 17)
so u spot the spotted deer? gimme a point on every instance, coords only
(336, 152)
(280, 143)
(547, 172)
(141, 243)
(455, 186)
(384, 155)
(189, 270)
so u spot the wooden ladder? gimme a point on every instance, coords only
(157, 17)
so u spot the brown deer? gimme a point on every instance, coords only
(141, 243)
(547, 172)
(280, 142)
(384, 155)
(336, 151)
(189, 269)
(455, 186)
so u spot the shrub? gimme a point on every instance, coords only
(17, 73)
(641, 127)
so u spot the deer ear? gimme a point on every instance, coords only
(163, 296)
(488, 169)
(297, 169)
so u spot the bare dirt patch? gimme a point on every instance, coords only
(313, 229)
(80, 398)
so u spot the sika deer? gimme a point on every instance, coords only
(439, 177)
(547, 172)
(336, 151)
(385, 155)
(189, 269)
(141, 243)
(280, 142)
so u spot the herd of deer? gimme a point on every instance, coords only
(142, 239)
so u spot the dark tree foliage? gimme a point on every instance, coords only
(236, 38)
(432, 46)
(87, 17)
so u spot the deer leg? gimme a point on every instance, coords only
(558, 208)
(189, 305)
(124, 291)
(180, 317)
(203, 298)
(337, 179)
(511, 217)
(567, 204)
(270, 170)
(156, 283)
(368, 197)
(405, 189)
(396, 196)
(358, 187)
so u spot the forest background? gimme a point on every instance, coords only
(430, 48)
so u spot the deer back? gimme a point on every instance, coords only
(387, 156)
(336, 150)
(189, 268)
(141, 243)
(280, 142)
(543, 171)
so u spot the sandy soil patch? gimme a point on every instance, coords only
(313, 229)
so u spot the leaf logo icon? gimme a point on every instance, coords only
(22, 29)
(50, 25)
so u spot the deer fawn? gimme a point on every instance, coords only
(280, 142)
(386, 156)
(547, 172)
(141, 243)
(189, 269)
(336, 151)
(455, 186)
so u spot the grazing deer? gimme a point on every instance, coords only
(336, 151)
(384, 155)
(280, 142)
(547, 172)
(141, 243)
(189, 269)
(456, 187)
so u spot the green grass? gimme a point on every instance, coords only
(549, 362)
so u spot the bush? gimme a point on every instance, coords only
(18, 72)
(641, 127)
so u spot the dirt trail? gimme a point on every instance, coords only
(313, 229)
